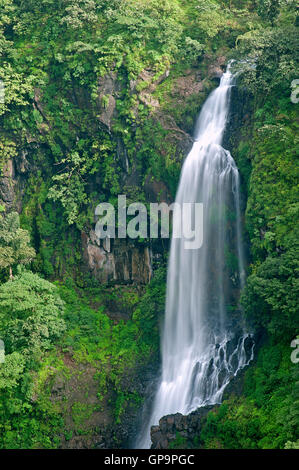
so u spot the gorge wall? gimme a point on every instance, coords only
(101, 98)
(121, 261)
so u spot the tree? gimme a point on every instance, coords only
(268, 9)
(14, 243)
(79, 13)
(30, 313)
(11, 371)
(270, 297)
(7, 11)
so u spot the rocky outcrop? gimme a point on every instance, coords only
(7, 193)
(172, 427)
(107, 93)
(145, 85)
(238, 118)
(124, 261)
(185, 430)
(216, 66)
(14, 177)
(117, 260)
(93, 425)
(156, 191)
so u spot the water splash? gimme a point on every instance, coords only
(202, 348)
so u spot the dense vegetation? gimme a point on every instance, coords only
(91, 111)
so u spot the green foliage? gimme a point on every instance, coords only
(79, 14)
(93, 337)
(269, 62)
(210, 18)
(81, 412)
(30, 322)
(270, 9)
(292, 445)
(268, 160)
(113, 350)
(151, 22)
(69, 188)
(11, 370)
(151, 143)
(54, 240)
(270, 298)
(271, 295)
(150, 310)
(234, 425)
(179, 442)
(31, 313)
(266, 416)
(58, 51)
(18, 88)
(14, 242)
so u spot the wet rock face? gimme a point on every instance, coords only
(239, 116)
(7, 193)
(107, 92)
(217, 67)
(14, 178)
(99, 426)
(148, 81)
(117, 260)
(187, 427)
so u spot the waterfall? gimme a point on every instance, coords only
(204, 343)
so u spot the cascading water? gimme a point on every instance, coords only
(202, 348)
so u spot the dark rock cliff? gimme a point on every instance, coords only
(173, 429)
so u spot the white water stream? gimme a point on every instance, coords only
(201, 348)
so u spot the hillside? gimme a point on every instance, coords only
(99, 99)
